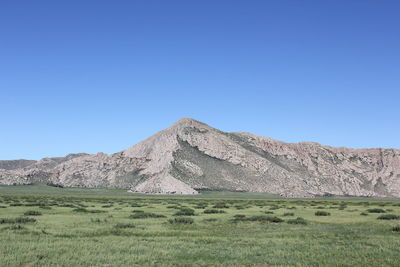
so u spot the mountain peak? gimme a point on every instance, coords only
(185, 122)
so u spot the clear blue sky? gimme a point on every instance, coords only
(89, 76)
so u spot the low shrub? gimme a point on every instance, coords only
(213, 211)
(67, 205)
(32, 213)
(14, 227)
(138, 211)
(80, 210)
(269, 212)
(185, 212)
(389, 217)
(274, 207)
(258, 218)
(396, 228)
(145, 215)
(364, 214)
(376, 210)
(17, 220)
(288, 214)
(263, 218)
(97, 211)
(298, 220)
(54, 185)
(33, 204)
(173, 207)
(210, 220)
(137, 205)
(83, 210)
(221, 205)
(181, 220)
(322, 213)
(124, 225)
(97, 220)
(201, 206)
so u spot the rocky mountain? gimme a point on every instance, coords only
(15, 164)
(191, 155)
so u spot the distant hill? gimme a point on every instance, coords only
(15, 164)
(191, 155)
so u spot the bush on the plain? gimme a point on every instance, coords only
(32, 213)
(185, 212)
(298, 220)
(181, 220)
(389, 217)
(322, 213)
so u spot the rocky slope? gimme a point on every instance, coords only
(191, 155)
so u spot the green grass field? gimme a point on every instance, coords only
(48, 226)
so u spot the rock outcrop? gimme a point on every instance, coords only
(191, 155)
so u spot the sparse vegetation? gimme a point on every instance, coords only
(70, 232)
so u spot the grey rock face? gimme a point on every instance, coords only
(191, 155)
(15, 164)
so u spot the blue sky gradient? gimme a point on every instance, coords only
(90, 76)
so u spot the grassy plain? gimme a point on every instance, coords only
(48, 226)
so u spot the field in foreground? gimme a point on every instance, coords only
(46, 226)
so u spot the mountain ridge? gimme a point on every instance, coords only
(191, 155)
